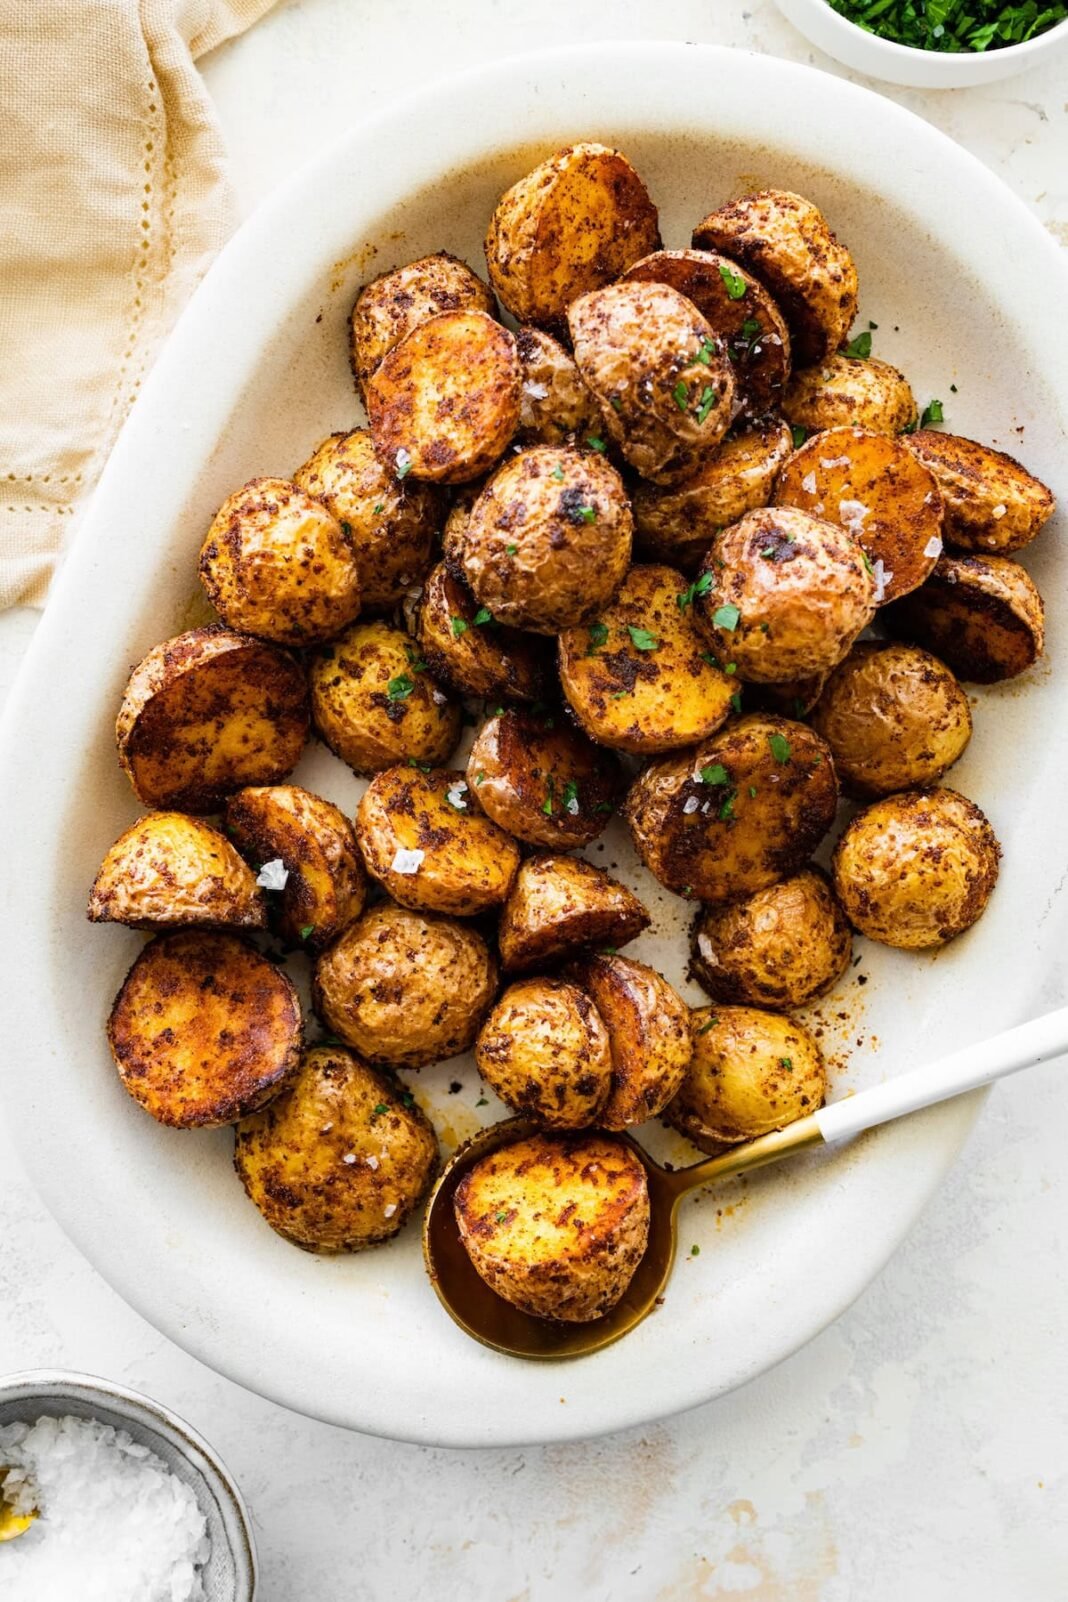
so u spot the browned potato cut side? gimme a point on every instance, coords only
(341, 1159)
(992, 503)
(649, 1029)
(466, 647)
(558, 905)
(204, 1029)
(982, 615)
(169, 871)
(542, 780)
(781, 947)
(545, 1050)
(444, 403)
(208, 712)
(555, 406)
(395, 302)
(850, 392)
(556, 1224)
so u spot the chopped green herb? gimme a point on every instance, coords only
(416, 662)
(726, 617)
(616, 403)
(681, 393)
(715, 773)
(726, 811)
(707, 401)
(752, 792)
(459, 626)
(617, 695)
(598, 636)
(932, 413)
(861, 346)
(595, 442)
(407, 1099)
(482, 616)
(736, 701)
(500, 1217)
(510, 550)
(571, 800)
(707, 351)
(424, 767)
(379, 1110)
(730, 667)
(800, 435)
(779, 746)
(547, 804)
(866, 559)
(379, 508)
(700, 586)
(404, 465)
(734, 282)
(713, 661)
(585, 514)
(695, 1250)
(482, 1102)
(642, 639)
(557, 473)
(307, 930)
(346, 529)
(750, 328)
(400, 688)
(479, 778)
(953, 26)
(705, 1027)
(787, 1063)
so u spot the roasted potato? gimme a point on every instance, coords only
(745, 809)
(542, 780)
(784, 241)
(466, 647)
(752, 1072)
(574, 223)
(444, 403)
(678, 525)
(405, 988)
(639, 679)
(894, 717)
(876, 489)
(981, 614)
(555, 407)
(556, 1224)
(916, 869)
(740, 312)
(169, 871)
(341, 1159)
(992, 503)
(391, 305)
(781, 947)
(375, 704)
(545, 1051)
(323, 885)
(648, 1027)
(660, 374)
(389, 523)
(782, 595)
(454, 533)
(204, 1029)
(208, 712)
(850, 392)
(558, 905)
(547, 542)
(423, 835)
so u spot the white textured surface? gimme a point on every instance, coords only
(918, 1448)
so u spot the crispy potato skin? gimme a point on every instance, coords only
(389, 524)
(784, 241)
(341, 1159)
(801, 590)
(916, 869)
(365, 724)
(391, 305)
(204, 1029)
(636, 699)
(752, 1072)
(875, 488)
(558, 905)
(664, 384)
(405, 988)
(484, 658)
(327, 887)
(850, 392)
(894, 717)
(648, 1027)
(208, 712)
(543, 781)
(556, 1224)
(982, 615)
(779, 948)
(992, 503)
(444, 403)
(759, 355)
(678, 525)
(467, 863)
(573, 224)
(717, 840)
(555, 406)
(548, 540)
(169, 871)
(545, 1051)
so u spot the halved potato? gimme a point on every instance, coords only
(678, 525)
(555, 406)
(982, 615)
(649, 1030)
(324, 883)
(444, 403)
(375, 704)
(745, 809)
(390, 524)
(784, 241)
(423, 835)
(992, 503)
(395, 302)
(169, 871)
(850, 391)
(208, 712)
(574, 223)
(556, 1224)
(741, 313)
(781, 947)
(341, 1159)
(875, 488)
(542, 780)
(204, 1029)
(640, 678)
(545, 1051)
(558, 905)
(465, 645)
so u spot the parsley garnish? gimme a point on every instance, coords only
(682, 395)
(307, 930)
(642, 639)
(932, 413)
(379, 1110)
(510, 550)
(866, 559)
(700, 586)
(598, 635)
(726, 617)
(482, 616)
(861, 346)
(787, 1063)
(695, 1250)
(953, 25)
(799, 435)
(779, 746)
(752, 792)
(586, 514)
(547, 804)
(557, 473)
(482, 1102)
(715, 773)
(750, 328)
(736, 701)
(380, 507)
(346, 529)
(708, 400)
(459, 626)
(735, 283)
(595, 442)
(500, 1217)
(400, 688)
(707, 351)
(571, 795)
(705, 1027)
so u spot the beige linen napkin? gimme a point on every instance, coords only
(113, 201)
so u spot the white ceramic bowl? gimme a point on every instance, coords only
(230, 1572)
(918, 69)
(253, 377)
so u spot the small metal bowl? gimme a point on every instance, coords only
(230, 1572)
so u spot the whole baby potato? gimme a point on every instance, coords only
(395, 302)
(545, 1050)
(169, 871)
(781, 947)
(375, 704)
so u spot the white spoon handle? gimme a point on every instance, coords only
(1023, 1047)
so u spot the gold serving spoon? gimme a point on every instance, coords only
(12, 1524)
(490, 1319)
